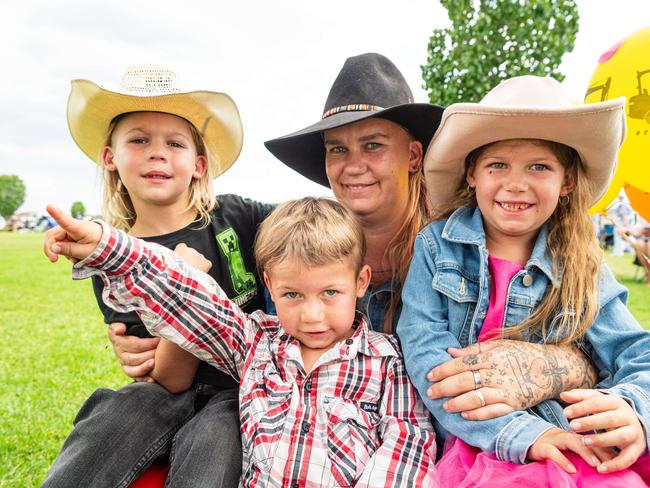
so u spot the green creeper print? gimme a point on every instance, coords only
(243, 282)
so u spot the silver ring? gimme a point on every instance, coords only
(477, 379)
(480, 397)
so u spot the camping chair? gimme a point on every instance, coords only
(639, 256)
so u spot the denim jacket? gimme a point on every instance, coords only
(445, 299)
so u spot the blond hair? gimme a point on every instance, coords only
(117, 207)
(399, 251)
(315, 231)
(569, 307)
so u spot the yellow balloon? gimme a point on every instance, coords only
(609, 196)
(624, 70)
(639, 200)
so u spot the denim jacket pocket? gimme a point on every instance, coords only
(352, 438)
(451, 282)
(264, 405)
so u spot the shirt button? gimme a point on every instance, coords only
(283, 337)
(528, 280)
(308, 386)
(305, 427)
(349, 341)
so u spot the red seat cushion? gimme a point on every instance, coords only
(153, 477)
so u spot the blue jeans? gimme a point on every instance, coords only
(118, 434)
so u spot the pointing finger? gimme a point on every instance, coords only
(68, 224)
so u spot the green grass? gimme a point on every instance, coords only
(55, 353)
(631, 276)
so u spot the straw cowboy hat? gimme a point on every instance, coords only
(368, 85)
(525, 107)
(154, 89)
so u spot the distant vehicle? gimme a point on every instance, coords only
(30, 222)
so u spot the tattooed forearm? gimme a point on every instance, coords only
(528, 374)
(584, 374)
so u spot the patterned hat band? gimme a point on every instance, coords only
(353, 107)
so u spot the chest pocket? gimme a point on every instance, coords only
(453, 284)
(264, 405)
(352, 438)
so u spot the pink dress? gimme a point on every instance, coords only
(464, 466)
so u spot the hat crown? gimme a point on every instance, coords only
(370, 79)
(145, 80)
(529, 92)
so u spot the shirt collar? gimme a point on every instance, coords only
(465, 225)
(363, 341)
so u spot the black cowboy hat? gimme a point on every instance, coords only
(368, 85)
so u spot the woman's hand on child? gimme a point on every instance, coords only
(135, 354)
(514, 375)
(551, 444)
(192, 257)
(74, 239)
(616, 421)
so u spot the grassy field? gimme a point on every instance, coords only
(55, 353)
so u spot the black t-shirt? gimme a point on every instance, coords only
(228, 243)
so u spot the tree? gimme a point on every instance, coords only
(492, 40)
(78, 210)
(12, 194)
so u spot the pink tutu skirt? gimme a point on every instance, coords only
(464, 466)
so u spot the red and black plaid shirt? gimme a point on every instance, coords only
(353, 420)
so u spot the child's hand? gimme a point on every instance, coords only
(192, 257)
(593, 410)
(551, 444)
(74, 239)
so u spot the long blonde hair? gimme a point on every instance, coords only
(117, 207)
(569, 307)
(399, 251)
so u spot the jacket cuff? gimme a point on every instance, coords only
(515, 439)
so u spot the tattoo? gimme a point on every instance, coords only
(585, 371)
(520, 375)
(527, 375)
(471, 360)
(554, 374)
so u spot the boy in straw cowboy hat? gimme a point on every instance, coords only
(324, 400)
(159, 149)
(513, 253)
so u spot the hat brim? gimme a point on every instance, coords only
(91, 109)
(595, 131)
(304, 152)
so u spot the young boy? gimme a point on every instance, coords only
(324, 401)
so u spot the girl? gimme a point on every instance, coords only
(515, 255)
(159, 149)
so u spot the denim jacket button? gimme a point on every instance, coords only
(528, 280)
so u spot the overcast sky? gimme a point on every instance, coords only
(277, 59)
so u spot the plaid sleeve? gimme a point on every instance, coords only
(174, 300)
(407, 453)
